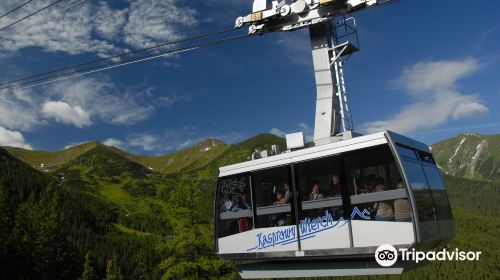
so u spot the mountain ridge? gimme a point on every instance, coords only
(197, 156)
(49, 161)
(470, 155)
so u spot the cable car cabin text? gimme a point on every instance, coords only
(335, 201)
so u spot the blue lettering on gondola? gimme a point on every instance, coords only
(307, 227)
(276, 237)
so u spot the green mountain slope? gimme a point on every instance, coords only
(240, 152)
(470, 155)
(110, 174)
(49, 161)
(194, 157)
(105, 162)
(47, 225)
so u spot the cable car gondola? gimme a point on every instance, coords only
(323, 211)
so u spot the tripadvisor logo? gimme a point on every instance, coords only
(387, 255)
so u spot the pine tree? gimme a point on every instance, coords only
(113, 271)
(89, 270)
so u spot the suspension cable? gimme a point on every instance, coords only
(91, 70)
(16, 8)
(30, 15)
(124, 54)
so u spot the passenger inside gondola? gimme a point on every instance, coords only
(335, 187)
(284, 196)
(236, 204)
(315, 193)
(279, 198)
(278, 220)
(286, 190)
(335, 192)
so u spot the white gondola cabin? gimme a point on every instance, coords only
(323, 211)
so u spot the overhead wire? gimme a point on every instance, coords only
(90, 70)
(30, 15)
(60, 12)
(15, 9)
(71, 6)
(113, 57)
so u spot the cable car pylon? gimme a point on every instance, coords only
(333, 35)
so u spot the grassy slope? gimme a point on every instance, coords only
(127, 230)
(238, 153)
(194, 157)
(190, 158)
(51, 160)
(107, 172)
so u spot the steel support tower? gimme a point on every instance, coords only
(334, 39)
(330, 48)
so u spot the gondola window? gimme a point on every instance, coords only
(235, 205)
(273, 197)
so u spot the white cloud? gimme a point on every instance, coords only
(67, 114)
(19, 110)
(278, 132)
(150, 21)
(81, 102)
(170, 140)
(304, 126)
(96, 26)
(429, 77)
(422, 114)
(147, 142)
(112, 142)
(467, 110)
(70, 32)
(111, 21)
(103, 100)
(433, 85)
(165, 101)
(13, 139)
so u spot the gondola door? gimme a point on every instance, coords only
(321, 220)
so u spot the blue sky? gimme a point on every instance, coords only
(427, 69)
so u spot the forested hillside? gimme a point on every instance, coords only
(108, 207)
(100, 213)
(104, 213)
